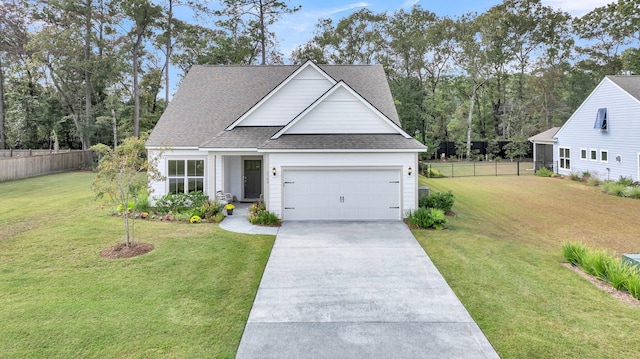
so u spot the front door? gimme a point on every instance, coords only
(252, 179)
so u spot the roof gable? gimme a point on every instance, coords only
(288, 99)
(341, 110)
(613, 94)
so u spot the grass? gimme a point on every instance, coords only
(190, 297)
(502, 256)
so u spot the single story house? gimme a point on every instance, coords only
(314, 142)
(602, 136)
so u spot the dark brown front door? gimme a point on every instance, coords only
(252, 179)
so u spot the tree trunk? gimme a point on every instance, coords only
(115, 130)
(3, 136)
(126, 225)
(167, 61)
(470, 120)
(86, 143)
(263, 36)
(136, 90)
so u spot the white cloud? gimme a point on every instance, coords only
(576, 7)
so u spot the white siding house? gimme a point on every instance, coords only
(602, 136)
(315, 142)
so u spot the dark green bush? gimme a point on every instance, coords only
(438, 200)
(427, 218)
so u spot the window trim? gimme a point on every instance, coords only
(602, 119)
(186, 177)
(607, 155)
(586, 152)
(593, 151)
(564, 162)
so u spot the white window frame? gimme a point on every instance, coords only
(185, 176)
(586, 153)
(607, 152)
(564, 162)
(591, 152)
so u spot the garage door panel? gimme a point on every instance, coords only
(341, 194)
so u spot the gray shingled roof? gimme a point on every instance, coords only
(211, 98)
(630, 84)
(546, 136)
(350, 142)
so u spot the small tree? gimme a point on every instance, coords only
(518, 147)
(122, 176)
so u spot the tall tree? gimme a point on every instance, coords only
(262, 14)
(144, 15)
(13, 37)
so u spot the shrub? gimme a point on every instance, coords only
(258, 214)
(218, 217)
(618, 274)
(595, 263)
(633, 192)
(625, 181)
(633, 284)
(575, 176)
(183, 217)
(180, 202)
(433, 173)
(427, 218)
(438, 200)
(574, 252)
(614, 188)
(544, 172)
(208, 209)
(143, 203)
(586, 174)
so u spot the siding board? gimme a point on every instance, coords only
(621, 138)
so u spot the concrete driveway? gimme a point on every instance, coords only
(356, 290)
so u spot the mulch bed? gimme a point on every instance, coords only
(121, 250)
(624, 297)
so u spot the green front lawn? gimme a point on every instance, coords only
(502, 256)
(190, 297)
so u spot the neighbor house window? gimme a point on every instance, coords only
(601, 119)
(604, 156)
(565, 158)
(594, 155)
(583, 153)
(185, 176)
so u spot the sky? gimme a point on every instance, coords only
(296, 29)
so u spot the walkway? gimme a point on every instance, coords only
(238, 222)
(356, 290)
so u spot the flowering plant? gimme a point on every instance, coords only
(195, 219)
(229, 206)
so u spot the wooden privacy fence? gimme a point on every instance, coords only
(29, 163)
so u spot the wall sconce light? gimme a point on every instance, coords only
(409, 171)
(273, 170)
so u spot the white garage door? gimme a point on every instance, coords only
(342, 194)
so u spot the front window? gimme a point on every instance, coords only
(565, 158)
(185, 176)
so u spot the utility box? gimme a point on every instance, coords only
(423, 191)
(632, 259)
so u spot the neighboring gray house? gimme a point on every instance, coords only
(603, 134)
(315, 142)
